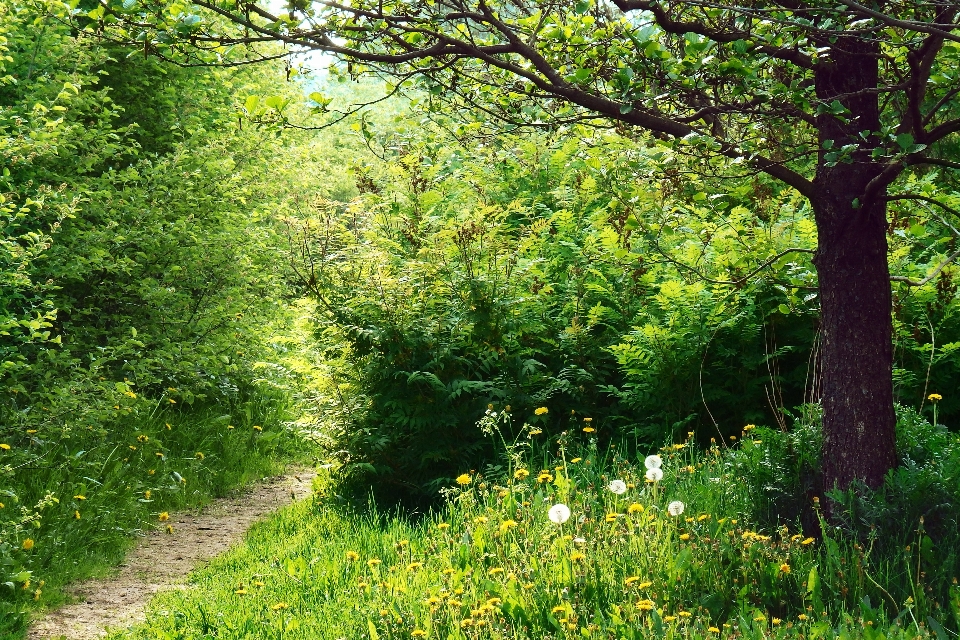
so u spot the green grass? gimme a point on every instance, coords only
(74, 509)
(492, 564)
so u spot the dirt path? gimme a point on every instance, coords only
(161, 561)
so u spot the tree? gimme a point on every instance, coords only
(833, 98)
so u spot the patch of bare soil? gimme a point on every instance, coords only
(162, 560)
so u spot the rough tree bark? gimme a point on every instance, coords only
(859, 439)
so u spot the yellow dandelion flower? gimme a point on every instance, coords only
(750, 427)
(759, 619)
(713, 630)
(808, 541)
(199, 455)
(576, 460)
(372, 562)
(79, 496)
(495, 571)
(588, 429)
(142, 438)
(413, 566)
(279, 606)
(684, 536)
(147, 494)
(164, 516)
(541, 411)
(644, 585)
(4, 446)
(241, 591)
(507, 524)
(76, 515)
(684, 614)
(645, 605)
(934, 397)
(521, 474)
(775, 621)
(612, 517)
(785, 567)
(28, 544)
(802, 617)
(463, 479)
(443, 525)
(669, 618)
(577, 556)
(544, 477)
(169, 528)
(352, 556)
(418, 633)
(558, 609)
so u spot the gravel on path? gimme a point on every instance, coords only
(162, 560)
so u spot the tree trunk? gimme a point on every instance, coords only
(859, 440)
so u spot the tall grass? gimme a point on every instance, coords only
(80, 499)
(639, 555)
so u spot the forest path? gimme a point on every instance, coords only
(162, 560)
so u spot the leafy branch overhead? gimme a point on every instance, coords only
(735, 80)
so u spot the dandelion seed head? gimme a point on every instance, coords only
(559, 513)
(618, 487)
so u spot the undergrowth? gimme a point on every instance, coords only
(566, 539)
(73, 499)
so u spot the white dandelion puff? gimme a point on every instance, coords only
(617, 486)
(559, 513)
(675, 508)
(654, 474)
(653, 462)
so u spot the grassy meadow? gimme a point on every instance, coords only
(564, 539)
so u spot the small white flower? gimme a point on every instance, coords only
(580, 540)
(653, 462)
(654, 475)
(617, 486)
(675, 508)
(559, 513)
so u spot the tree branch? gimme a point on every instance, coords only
(921, 27)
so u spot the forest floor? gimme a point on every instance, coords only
(161, 560)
